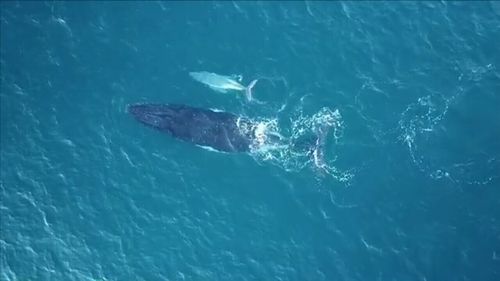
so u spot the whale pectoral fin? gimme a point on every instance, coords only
(218, 90)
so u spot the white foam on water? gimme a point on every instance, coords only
(279, 146)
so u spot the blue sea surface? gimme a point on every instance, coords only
(410, 186)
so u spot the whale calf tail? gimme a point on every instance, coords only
(248, 89)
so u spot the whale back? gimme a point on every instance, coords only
(216, 81)
(203, 127)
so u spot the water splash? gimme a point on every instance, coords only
(302, 144)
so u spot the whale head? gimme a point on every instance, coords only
(153, 115)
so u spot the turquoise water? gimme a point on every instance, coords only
(409, 190)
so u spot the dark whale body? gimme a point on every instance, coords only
(204, 127)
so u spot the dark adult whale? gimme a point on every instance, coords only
(222, 131)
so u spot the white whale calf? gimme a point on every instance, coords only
(222, 83)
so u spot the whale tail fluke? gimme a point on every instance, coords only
(248, 89)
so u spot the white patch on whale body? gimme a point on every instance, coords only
(209, 148)
(216, 110)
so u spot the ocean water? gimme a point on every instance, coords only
(410, 187)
